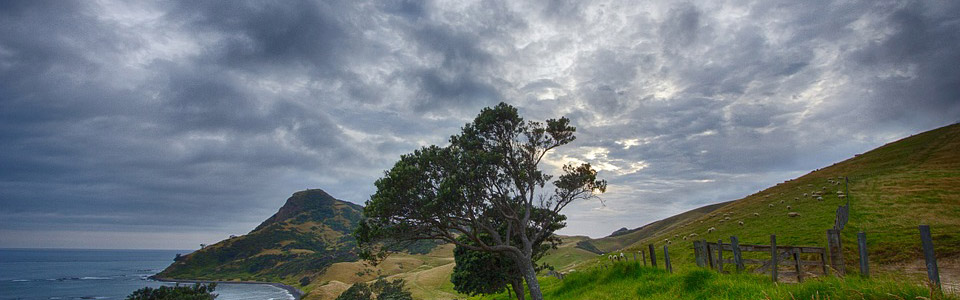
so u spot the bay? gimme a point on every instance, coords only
(70, 274)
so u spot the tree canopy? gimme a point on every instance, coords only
(379, 290)
(177, 292)
(485, 186)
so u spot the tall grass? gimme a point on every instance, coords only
(633, 281)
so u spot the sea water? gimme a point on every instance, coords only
(62, 274)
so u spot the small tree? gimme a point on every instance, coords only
(485, 186)
(379, 290)
(177, 292)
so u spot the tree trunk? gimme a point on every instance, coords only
(517, 285)
(530, 275)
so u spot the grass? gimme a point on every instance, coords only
(894, 188)
(633, 281)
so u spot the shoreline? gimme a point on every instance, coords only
(295, 292)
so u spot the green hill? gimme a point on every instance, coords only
(892, 189)
(308, 234)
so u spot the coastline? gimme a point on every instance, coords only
(295, 292)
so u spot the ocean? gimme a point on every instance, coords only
(67, 274)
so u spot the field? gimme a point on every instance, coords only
(633, 281)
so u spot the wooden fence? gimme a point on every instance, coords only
(713, 255)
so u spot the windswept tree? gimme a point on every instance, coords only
(486, 186)
(481, 272)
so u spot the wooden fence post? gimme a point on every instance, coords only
(720, 256)
(862, 243)
(796, 262)
(773, 257)
(653, 256)
(643, 257)
(709, 251)
(932, 271)
(666, 259)
(697, 254)
(836, 251)
(737, 258)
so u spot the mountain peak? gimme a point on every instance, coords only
(299, 202)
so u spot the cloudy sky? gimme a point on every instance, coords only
(167, 125)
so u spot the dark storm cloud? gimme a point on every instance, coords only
(164, 118)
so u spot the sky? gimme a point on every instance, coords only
(163, 125)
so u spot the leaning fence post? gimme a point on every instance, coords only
(932, 271)
(666, 259)
(862, 243)
(737, 258)
(720, 256)
(773, 257)
(643, 257)
(653, 256)
(836, 251)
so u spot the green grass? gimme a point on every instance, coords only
(894, 188)
(633, 281)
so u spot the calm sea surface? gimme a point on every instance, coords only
(61, 274)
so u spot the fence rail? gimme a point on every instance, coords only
(712, 255)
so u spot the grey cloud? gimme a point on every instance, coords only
(208, 115)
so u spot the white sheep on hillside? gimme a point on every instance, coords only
(770, 205)
(756, 214)
(789, 208)
(819, 198)
(740, 222)
(711, 229)
(693, 235)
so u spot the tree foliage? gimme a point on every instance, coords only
(486, 186)
(379, 290)
(195, 292)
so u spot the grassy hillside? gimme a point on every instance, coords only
(893, 189)
(312, 232)
(632, 281)
(306, 244)
(626, 238)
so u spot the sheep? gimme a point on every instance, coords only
(781, 201)
(789, 208)
(770, 205)
(819, 198)
(756, 214)
(793, 214)
(740, 222)
(796, 199)
(711, 229)
(693, 235)
(726, 219)
(684, 238)
(804, 194)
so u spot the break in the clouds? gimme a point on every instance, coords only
(130, 124)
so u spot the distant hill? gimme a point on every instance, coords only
(308, 244)
(309, 233)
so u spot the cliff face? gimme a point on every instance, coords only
(309, 233)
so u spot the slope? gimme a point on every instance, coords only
(625, 238)
(310, 232)
(892, 189)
